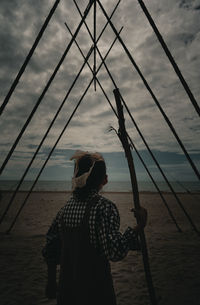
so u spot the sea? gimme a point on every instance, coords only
(112, 186)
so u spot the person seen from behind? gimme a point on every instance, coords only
(85, 236)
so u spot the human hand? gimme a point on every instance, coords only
(141, 216)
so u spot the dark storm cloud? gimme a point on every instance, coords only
(16, 18)
(189, 4)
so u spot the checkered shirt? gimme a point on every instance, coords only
(104, 225)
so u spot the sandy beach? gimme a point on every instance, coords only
(174, 256)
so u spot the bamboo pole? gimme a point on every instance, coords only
(95, 43)
(152, 94)
(136, 200)
(23, 67)
(46, 88)
(113, 109)
(170, 57)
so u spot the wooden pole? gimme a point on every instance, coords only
(95, 43)
(124, 140)
(170, 57)
(23, 67)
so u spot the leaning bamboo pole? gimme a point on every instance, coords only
(95, 42)
(170, 57)
(23, 67)
(124, 140)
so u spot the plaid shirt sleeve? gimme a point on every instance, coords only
(113, 243)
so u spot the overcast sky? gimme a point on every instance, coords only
(178, 22)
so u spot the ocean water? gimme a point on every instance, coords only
(115, 186)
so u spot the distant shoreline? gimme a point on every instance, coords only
(186, 187)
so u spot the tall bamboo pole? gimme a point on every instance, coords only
(23, 67)
(95, 43)
(170, 57)
(136, 200)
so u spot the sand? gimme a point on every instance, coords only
(174, 257)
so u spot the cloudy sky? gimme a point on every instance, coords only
(178, 22)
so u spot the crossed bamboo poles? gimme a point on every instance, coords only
(28, 58)
(94, 72)
(83, 17)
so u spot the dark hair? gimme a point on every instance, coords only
(95, 178)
